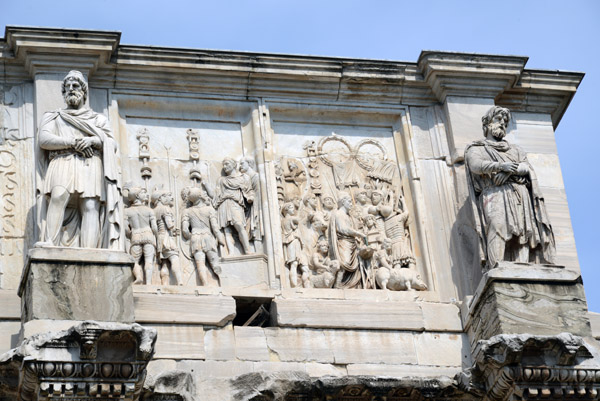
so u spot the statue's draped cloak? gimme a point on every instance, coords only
(89, 123)
(519, 201)
(344, 248)
(233, 191)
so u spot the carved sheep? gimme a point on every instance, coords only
(399, 279)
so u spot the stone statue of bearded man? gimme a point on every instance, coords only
(509, 207)
(78, 176)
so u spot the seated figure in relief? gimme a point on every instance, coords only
(199, 224)
(78, 174)
(167, 236)
(326, 270)
(141, 229)
(509, 207)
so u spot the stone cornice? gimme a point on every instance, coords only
(429, 81)
(46, 50)
(467, 74)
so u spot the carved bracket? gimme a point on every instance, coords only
(112, 362)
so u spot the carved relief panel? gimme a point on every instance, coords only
(344, 205)
(193, 209)
(17, 226)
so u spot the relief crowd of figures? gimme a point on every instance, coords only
(363, 243)
(214, 220)
(344, 221)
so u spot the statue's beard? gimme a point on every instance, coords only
(74, 99)
(497, 131)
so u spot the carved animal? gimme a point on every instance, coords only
(399, 279)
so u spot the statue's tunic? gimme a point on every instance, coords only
(167, 243)
(514, 210)
(95, 177)
(67, 168)
(203, 220)
(395, 230)
(254, 217)
(233, 190)
(292, 242)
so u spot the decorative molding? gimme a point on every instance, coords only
(469, 74)
(88, 361)
(428, 81)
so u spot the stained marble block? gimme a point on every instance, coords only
(244, 271)
(519, 298)
(77, 284)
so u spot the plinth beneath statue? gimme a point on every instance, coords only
(77, 284)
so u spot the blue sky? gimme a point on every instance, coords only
(553, 34)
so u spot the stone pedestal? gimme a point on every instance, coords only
(77, 284)
(80, 341)
(530, 335)
(518, 298)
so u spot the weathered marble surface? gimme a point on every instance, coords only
(77, 284)
(206, 309)
(520, 298)
(87, 359)
(366, 314)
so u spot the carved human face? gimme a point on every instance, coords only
(361, 197)
(74, 93)
(376, 198)
(290, 210)
(346, 202)
(143, 196)
(328, 203)
(228, 166)
(244, 166)
(497, 127)
(370, 221)
(312, 201)
(324, 248)
(167, 199)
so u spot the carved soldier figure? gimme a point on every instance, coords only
(199, 223)
(141, 229)
(79, 175)
(510, 216)
(378, 208)
(234, 191)
(295, 176)
(292, 245)
(167, 236)
(396, 229)
(254, 215)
